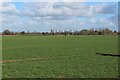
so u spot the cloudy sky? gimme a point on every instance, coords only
(44, 16)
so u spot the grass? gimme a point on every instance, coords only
(74, 56)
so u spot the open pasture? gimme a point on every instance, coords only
(59, 56)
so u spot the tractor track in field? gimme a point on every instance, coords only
(33, 59)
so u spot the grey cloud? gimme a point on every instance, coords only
(105, 8)
(59, 9)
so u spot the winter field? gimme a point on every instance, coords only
(59, 56)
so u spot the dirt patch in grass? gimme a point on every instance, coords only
(8, 35)
(33, 59)
(27, 59)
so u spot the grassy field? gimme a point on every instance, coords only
(59, 56)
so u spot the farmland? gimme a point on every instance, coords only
(59, 56)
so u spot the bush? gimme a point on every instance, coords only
(7, 32)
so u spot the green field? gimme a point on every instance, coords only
(59, 57)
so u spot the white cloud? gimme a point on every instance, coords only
(8, 8)
(57, 14)
(5, 0)
(56, 0)
(102, 21)
(73, 9)
(54, 9)
(59, 9)
(93, 21)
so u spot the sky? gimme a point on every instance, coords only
(58, 15)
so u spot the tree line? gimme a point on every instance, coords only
(92, 31)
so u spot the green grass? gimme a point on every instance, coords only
(74, 56)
